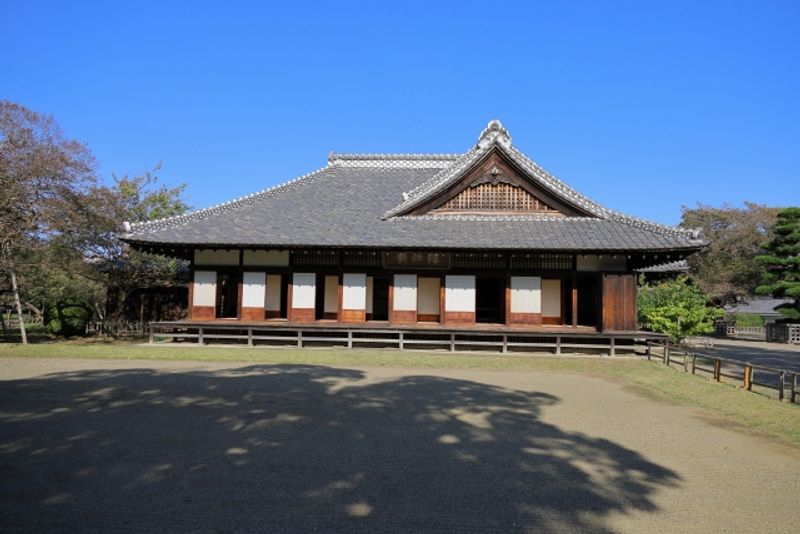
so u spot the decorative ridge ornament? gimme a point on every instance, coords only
(494, 176)
(494, 133)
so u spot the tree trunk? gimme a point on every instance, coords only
(19, 307)
(34, 309)
(100, 314)
(14, 288)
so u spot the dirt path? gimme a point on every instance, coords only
(175, 446)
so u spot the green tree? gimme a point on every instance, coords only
(41, 172)
(121, 269)
(727, 270)
(677, 308)
(80, 269)
(782, 262)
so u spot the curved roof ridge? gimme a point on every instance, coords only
(495, 136)
(335, 156)
(177, 220)
(436, 182)
(601, 211)
(400, 161)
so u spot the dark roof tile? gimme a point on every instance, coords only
(346, 203)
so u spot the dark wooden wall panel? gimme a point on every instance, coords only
(619, 302)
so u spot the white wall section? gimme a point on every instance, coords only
(272, 302)
(209, 256)
(354, 291)
(331, 294)
(204, 292)
(253, 290)
(303, 290)
(428, 291)
(405, 292)
(551, 298)
(266, 258)
(459, 293)
(526, 294)
(370, 282)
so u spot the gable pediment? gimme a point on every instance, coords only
(495, 185)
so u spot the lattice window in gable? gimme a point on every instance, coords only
(496, 197)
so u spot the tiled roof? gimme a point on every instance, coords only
(680, 266)
(359, 200)
(759, 306)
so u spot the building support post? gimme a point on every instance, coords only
(574, 302)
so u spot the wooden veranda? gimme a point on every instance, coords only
(502, 338)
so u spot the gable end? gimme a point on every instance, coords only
(496, 185)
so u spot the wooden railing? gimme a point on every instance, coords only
(403, 338)
(742, 374)
(123, 329)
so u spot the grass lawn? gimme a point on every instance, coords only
(735, 407)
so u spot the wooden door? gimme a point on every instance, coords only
(619, 302)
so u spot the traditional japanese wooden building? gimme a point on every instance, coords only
(486, 236)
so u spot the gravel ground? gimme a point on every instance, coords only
(98, 446)
(777, 355)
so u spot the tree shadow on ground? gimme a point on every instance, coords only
(298, 448)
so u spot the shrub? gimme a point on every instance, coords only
(749, 319)
(676, 308)
(68, 318)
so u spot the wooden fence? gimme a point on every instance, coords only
(771, 381)
(729, 329)
(403, 338)
(126, 329)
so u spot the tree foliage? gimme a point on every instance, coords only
(782, 262)
(60, 224)
(676, 308)
(41, 173)
(727, 270)
(121, 268)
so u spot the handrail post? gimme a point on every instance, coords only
(694, 358)
(505, 343)
(349, 339)
(794, 388)
(452, 342)
(717, 369)
(666, 352)
(649, 349)
(401, 341)
(612, 349)
(748, 377)
(200, 335)
(781, 379)
(685, 362)
(299, 338)
(558, 345)
(151, 336)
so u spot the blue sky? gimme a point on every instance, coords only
(644, 106)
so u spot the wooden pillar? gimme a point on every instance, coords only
(574, 302)
(239, 294)
(191, 301)
(508, 300)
